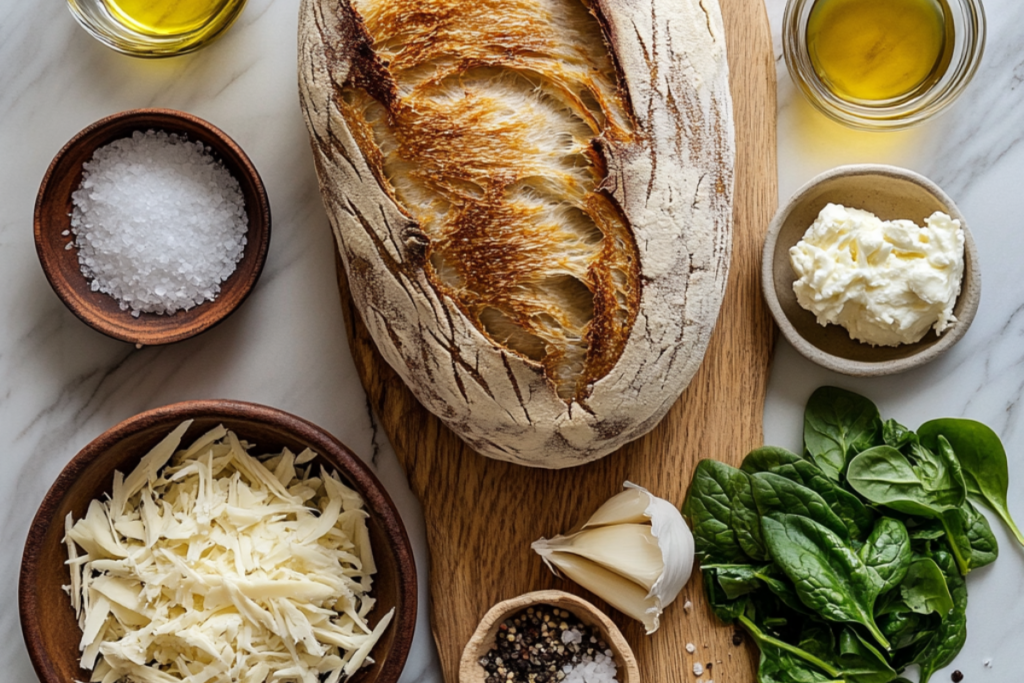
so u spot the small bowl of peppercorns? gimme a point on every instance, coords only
(547, 637)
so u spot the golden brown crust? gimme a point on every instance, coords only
(451, 107)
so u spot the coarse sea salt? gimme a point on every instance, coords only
(599, 669)
(158, 221)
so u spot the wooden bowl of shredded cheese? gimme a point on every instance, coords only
(221, 540)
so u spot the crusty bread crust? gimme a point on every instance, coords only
(568, 384)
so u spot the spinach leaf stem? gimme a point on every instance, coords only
(762, 637)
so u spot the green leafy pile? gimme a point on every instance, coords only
(848, 563)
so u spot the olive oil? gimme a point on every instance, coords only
(167, 18)
(879, 50)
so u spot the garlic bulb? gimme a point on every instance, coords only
(635, 552)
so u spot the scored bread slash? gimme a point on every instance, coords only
(533, 203)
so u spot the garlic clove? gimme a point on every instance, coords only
(620, 593)
(614, 554)
(629, 550)
(628, 507)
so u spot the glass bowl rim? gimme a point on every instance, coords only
(902, 113)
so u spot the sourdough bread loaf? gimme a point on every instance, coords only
(533, 203)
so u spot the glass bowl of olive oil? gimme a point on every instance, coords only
(155, 28)
(883, 64)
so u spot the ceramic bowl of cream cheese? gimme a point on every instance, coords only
(890, 193)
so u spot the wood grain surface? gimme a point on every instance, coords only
(482, 515)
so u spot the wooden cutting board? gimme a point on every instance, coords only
(481, 514)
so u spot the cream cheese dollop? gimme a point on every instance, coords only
(886, 282)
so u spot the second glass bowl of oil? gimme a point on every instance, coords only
(883, 64)
(155, 28)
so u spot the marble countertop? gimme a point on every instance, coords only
(62, 384)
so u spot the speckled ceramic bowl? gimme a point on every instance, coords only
(890, 193)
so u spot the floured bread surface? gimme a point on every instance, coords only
(532, 199)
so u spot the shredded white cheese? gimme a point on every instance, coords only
(213, 565)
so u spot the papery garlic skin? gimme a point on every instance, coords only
(676, 543)
(612, 554)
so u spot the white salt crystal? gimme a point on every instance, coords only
(691, 648)
(159, 222)
(698, 669)
(599, 669)
(571, 636)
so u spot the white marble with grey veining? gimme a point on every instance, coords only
(61, 384)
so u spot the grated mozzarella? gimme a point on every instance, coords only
(208, 564)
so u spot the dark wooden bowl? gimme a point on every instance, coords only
(48, 623)
(101, 311)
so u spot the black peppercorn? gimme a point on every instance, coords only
(530, 646)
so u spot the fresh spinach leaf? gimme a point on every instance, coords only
(949, 636)
(902, 627)
(766, 458)
(779, 666)
(982, 459)
(724, 608)
(860, 662)
(984, 546)
(818, 639)
(826, 574)
(887, 551)
(884, 476)
(939, 471)
(896, 435)
(837, 425)
(970, 537)
(779, 655)
(924, 589)
(785, 592)
(930, 530)
(859, 520)
(736, 580)
(774, 493)
(723, 515)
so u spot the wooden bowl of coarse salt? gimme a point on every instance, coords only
(574, 620)
(152, 225)
(48, 620)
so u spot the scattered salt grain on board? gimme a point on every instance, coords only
(691, 648)
(159, 222)
(698, 669)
